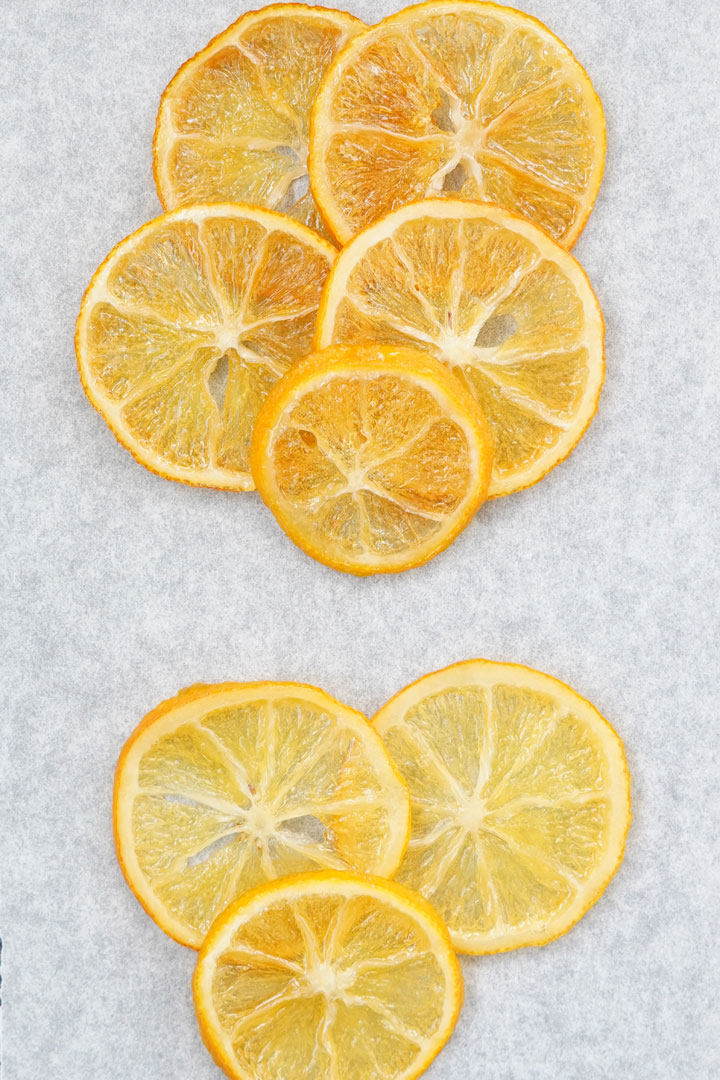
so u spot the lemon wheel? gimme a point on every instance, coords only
(509, 311)
(457, 98)
(371, 458)
(187, 325)
(326, 977)
(225, 787)
(233, 122)
(520, 798)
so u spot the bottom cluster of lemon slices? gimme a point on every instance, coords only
(261, 823)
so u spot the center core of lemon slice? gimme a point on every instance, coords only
(470, 134)
(465, 135)
(471, 814)
(325, 978)
(260, 821)
(226, 336)
(457, 350)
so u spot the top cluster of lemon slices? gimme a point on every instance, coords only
(456, 149)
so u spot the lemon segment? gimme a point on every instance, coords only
(325, 976)
(226, 787)
(520, 799)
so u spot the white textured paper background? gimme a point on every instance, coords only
(121, 587)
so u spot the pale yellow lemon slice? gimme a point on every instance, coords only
(225, 787)
(520, 798)
(327, 977)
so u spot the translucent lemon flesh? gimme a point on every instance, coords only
(219, 798)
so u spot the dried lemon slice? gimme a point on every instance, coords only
(327, 977)
(233, 122)
(459, 98)
(520, 798)
(225, 787)
(372, 458)
(187, 325)
(505, 307)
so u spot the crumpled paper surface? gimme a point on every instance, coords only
(120, 587)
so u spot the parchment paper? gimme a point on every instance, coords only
(121, 587)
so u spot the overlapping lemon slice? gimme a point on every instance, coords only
(520, 798)
(187, 325)
(233, 123)
(508, 310)
(225, 787)
(372, 458)
(462, 98)
(327, 977)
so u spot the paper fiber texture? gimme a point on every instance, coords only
(121, 587)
